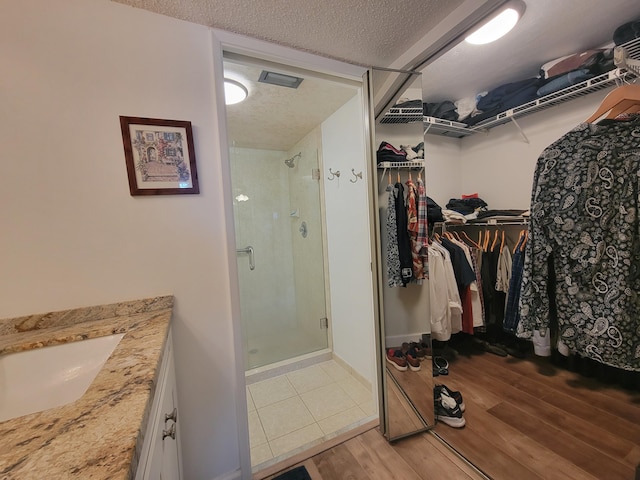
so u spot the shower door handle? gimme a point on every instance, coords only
(248, 250)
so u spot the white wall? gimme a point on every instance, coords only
(499, 165)
(71, 235)
(348, 238)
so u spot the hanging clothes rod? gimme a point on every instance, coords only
(488, 223)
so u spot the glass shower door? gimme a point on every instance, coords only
(280, 252)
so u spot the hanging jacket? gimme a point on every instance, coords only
(404, 244)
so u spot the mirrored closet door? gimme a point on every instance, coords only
(400, 232)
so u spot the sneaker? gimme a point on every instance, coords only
(413, 362)
(411, 356)
(396, 360)
(419, 350)
(440, 366)
(445, 414)
(443, 390)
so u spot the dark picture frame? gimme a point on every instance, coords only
(160, 156)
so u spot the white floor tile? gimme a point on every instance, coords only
(339, 421)
(257, 436)
(251, 407)
(356, 390)
(271, 391)
(295, 440)
(309, 378)
(261, 454)
(335, 371)
(303, 408)
(284, 417)
(326, 401)
(369, 408)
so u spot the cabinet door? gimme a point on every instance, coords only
(163, 462)
(170, 455)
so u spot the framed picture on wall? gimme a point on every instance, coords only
(160, 156)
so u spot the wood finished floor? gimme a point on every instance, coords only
(525, 420)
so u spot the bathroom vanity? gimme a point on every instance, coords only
(125, 425)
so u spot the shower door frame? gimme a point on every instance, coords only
(250, 321)
(227, 41)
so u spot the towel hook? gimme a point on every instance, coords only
(335, 174)
(355, 175)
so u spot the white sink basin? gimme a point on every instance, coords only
(43, 378)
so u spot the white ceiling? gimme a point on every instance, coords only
(378, 33)
(274, 117)
(548, 30)
(362, 32)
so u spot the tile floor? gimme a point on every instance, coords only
(295, 411)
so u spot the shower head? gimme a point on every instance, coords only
(290, 162)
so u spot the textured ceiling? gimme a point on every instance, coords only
(376, 33)
(274, 117)
(548, 30)
(362, 32)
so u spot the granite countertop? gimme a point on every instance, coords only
(100, 435)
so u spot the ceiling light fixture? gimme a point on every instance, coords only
(234, 92)
(499, 25)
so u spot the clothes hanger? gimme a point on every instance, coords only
(502, 242)
(390, 181)
(622, 98)
(469, 241)
(515, 249)
(495, 240)
(487, 237)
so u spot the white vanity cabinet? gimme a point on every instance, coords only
(161, 457)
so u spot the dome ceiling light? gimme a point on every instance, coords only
(234, 92)
(499, 25)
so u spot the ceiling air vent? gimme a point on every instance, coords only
(280, 79)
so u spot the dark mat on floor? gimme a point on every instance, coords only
(298, 473)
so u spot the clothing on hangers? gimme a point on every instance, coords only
(620, 100)
(587, 240)
(394, 274)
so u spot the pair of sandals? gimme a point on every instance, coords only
(440, 366)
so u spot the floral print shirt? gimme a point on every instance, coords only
(585, 230)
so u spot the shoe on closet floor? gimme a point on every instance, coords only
(440, 390)
(411, 356)
(445, 413)
(440, 366)
(395, 358)
(413, 363)
(419, 350)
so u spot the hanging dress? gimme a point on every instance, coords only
(404, 243)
